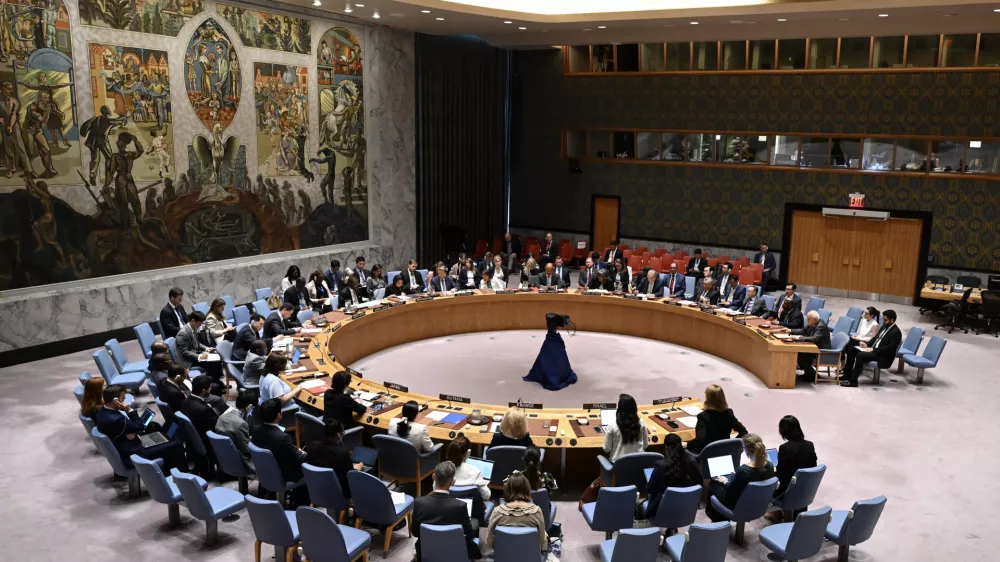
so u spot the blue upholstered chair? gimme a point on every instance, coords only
(325, 541)
(423, 275)
(107, 449)
(373, 504)
(121, 360)
(443, 543)
(171, 349)
(145, 336)
(193, 443)
(731, 447)
(928, 359)
(516, 544)
(843, 325)
(751, 505)
(262, 293)
(853, 527)
(88, 426)
(472, 492)
(304, 315)
(269, 473)
(389, 277)
(166, 412)
(233, 369)
(153, 390)
(614, 510)
(260, 307)
(161, 488)
(798, 540)
(688, 286)
(399, 460)
(814, 303)
(831, 357)
(229, 460)
(540, 497)
(632, 545)
(325, 490)
(308, 429)
(824, 314)
(769, 302)
(506, 459)
(208, 506)
(159, 328)
(230, 305)
(241, 315)
(704, 542)
(855, 314)
(801, 491)
(274, 526)
(628, 470)
(910, 345)
(201, 307)
(131, 381)
(677, 509)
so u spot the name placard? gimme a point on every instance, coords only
(354, 373)
(525, 405)
(762, 333)
(335, 327)
(453, 398)
(465, 294)
(671, 400)
(600, 406)
(358, 315)
(506, 291)
(395, 386)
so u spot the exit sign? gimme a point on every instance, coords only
(856, 201)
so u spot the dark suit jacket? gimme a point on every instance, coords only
(713, 295)
(545, 281)
(595, 283)
(439, 508)
(796, 302)
(739, 294)
(169, 320)
(563, 273)
(292, 296)
(584, 273)
(341, 407)
(118, 427)
(171, 395)
(391, 290)
(513, 246)
(714, 426)
(553, 249)
(701, 263)
(361, 283)
(244, 337)
(334, 280)
(203, 416)
(623, 278)
(792, 318)
(643, 287)
(886, 350)
(504, 272)
(345, 295)
(325, 454)
(281, 445)
(449, 284)
(758, 308)
(418, 288)
(275, 326)
(793, 455)
(818, 334)
(611, 255)
(660, 480)
(769, 263)
(679, 284)
(463, 278)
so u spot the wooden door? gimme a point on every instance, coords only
(604, 222)
(900, 257)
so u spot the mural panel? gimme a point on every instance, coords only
(264, 30)
(161, 17)
(281, 98)
(212, 75)
(341, 158)
(131, 93)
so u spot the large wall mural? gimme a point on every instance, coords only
(130, 175)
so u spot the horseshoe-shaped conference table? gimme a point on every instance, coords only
(745, 341)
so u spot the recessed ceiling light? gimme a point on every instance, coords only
(360, 5)
(602, 27)
(425, 11)
(782, 19)
(694, 23)
(508, 22)
(348, 10)
(439, 19)
(883, 15)
(586, 29)
(545, 31)
(843, 19)
(317, 3)
(376, 16)
(522, 28)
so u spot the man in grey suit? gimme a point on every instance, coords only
(253, 367)
(192, 353)
(234, 425)
(753, 305)
(816, 331)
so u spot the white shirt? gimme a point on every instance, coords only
(495, 284)
(468, 475)
(180, 321)
(413, 280)
(285, 284)
(418, 435)
(614, 446)
(867, 329)
(470, 279)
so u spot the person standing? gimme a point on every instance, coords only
(13, 144)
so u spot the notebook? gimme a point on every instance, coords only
(484, 466)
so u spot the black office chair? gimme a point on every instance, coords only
(969, 281)
(955, 313)
(990, 312)
(933, 306)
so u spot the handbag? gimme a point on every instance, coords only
(590, 494)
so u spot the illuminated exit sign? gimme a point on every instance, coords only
(857, 201)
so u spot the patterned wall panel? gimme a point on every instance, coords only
(740, 207)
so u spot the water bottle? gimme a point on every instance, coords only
(618, 287)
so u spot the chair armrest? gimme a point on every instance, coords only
(606, 469)
(352, 431)
(433, 452)
(720, 508)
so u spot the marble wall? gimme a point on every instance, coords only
(47, 314)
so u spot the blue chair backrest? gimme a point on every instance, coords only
(263, 293)
(814, 303)
(423, 275)
(707, 542)
(151, 385)
(628, 470)
(843, 325)
(806, 536)
(78, 392)
(201, 307)
(159, 328)
(304, 315)
(855, 314)
(689, 286)
(145, 336)
(824, 315)
(313, 428)
(230, 305)
(84, 377)
(166, 411)
(225, 349)
(731, 447)
(372, 500)
(802, 490)
(171, 348)
(151, 475)
(839, 341)
(260, 307)
(194, 495)
(226, 455)
(324, 488)
(241, 315)
(107, 448)
(515, 544)
(88, 424)
(934, 348)
(442, 543)
(769, 301)
(913, 339)
(396, 456)
(615, 505)
(755, 499)
(191, 437)
(104, 365)
(321, 538)
(392, 275)
(506, 459)
(269, 522)
(268, 471)
(678, 508)
(540, 497)
(637, 545)
(866, 515)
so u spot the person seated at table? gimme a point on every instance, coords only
(752, 304)
(587, 274)
(716, 422)
(406, 428)
(291, 275)
(215, 322)
(298, 295)
(93, 397)
(651, 285)
(674, 470)
(158, 365)
(790, 316)
(881, 349)
(457, 452)
(696, 264)
(361, 274)
(723, 275)
(620, 274)
(734, 295)
(728, 490)
(121, 424)
(376, 280)
(468, 276)
(708, 295)
(318, 292)
(795, 453)
(789, 295)
(487, 281)
(334, 277)
(412, 281)
(513, 430)
(253, 364)
(530, 268)
(248, 334)
(442, 282)
(395, 289)
(441, 508)
(675, 282)
(518, 511)
(234, 424)
(868, 327)
(561, 271)
(330, 452)
(817, 332)
(485, 263)
(339, 405)
(192, 352)
(549, 279)
(173, 391)
(349, 293)
(699, 281)
(281, 323)
(498, 265)
(272, 436)
(628, 433)
(601, 282)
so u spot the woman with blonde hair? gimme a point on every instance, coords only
(518, 511)
(93, 397)
(513, 430)
(716, 422)
(728, 491)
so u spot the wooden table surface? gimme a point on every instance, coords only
(944, 293)
(347, 339)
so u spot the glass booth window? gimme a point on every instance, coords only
(911, 155)
(678, 56)
(815, 152)
(947, 156)
(822, 53)
(576, 144)
(877, 156)
(653, 57)
(762, 55)
(989, 49)
(603, 58)
(579, 58)
(854, 52)
(734, 55)
(600, 144)
(785, 151)
(845, 153)
(675, 147)
(627, 58)
(706, 55)
(698, 147)
(888, 52)
(745, 149)
(648, 146)
(982, 157)
(922, 50)
(792, 53)
(624, 142)
(958, 50)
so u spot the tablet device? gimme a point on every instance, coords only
(296, 355)
(484, 466)
(364, 455)
(772, 455)
(721, 466)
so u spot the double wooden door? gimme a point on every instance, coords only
(855, 254)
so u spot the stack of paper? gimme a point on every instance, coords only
(437, 416)
(689, 421)
(295, 370)
(213, 357)
(311, 330)
(398, 498)
(367, 396)
(311, 384)
(691, 410)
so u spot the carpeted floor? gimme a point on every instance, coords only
(918, 446)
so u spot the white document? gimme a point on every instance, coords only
(721, 466)
(494, 427)
(327, 301)
(311, 384)
(296, 370)
(311, 330)
(437, 416)
(213, 357)
(468, 505)
(370, 304)
(399, 498)
(689, 421)
(686, 302)
(691, 410)
(608, 417)
(403, 297)
(367, 396)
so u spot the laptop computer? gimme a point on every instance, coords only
(364, 455)
(157, 437)
(608, 417)
(484, 466)
(721, 466)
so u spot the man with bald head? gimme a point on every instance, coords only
(815, 331)
(651, 285)
(707, 295)
(549, 279)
